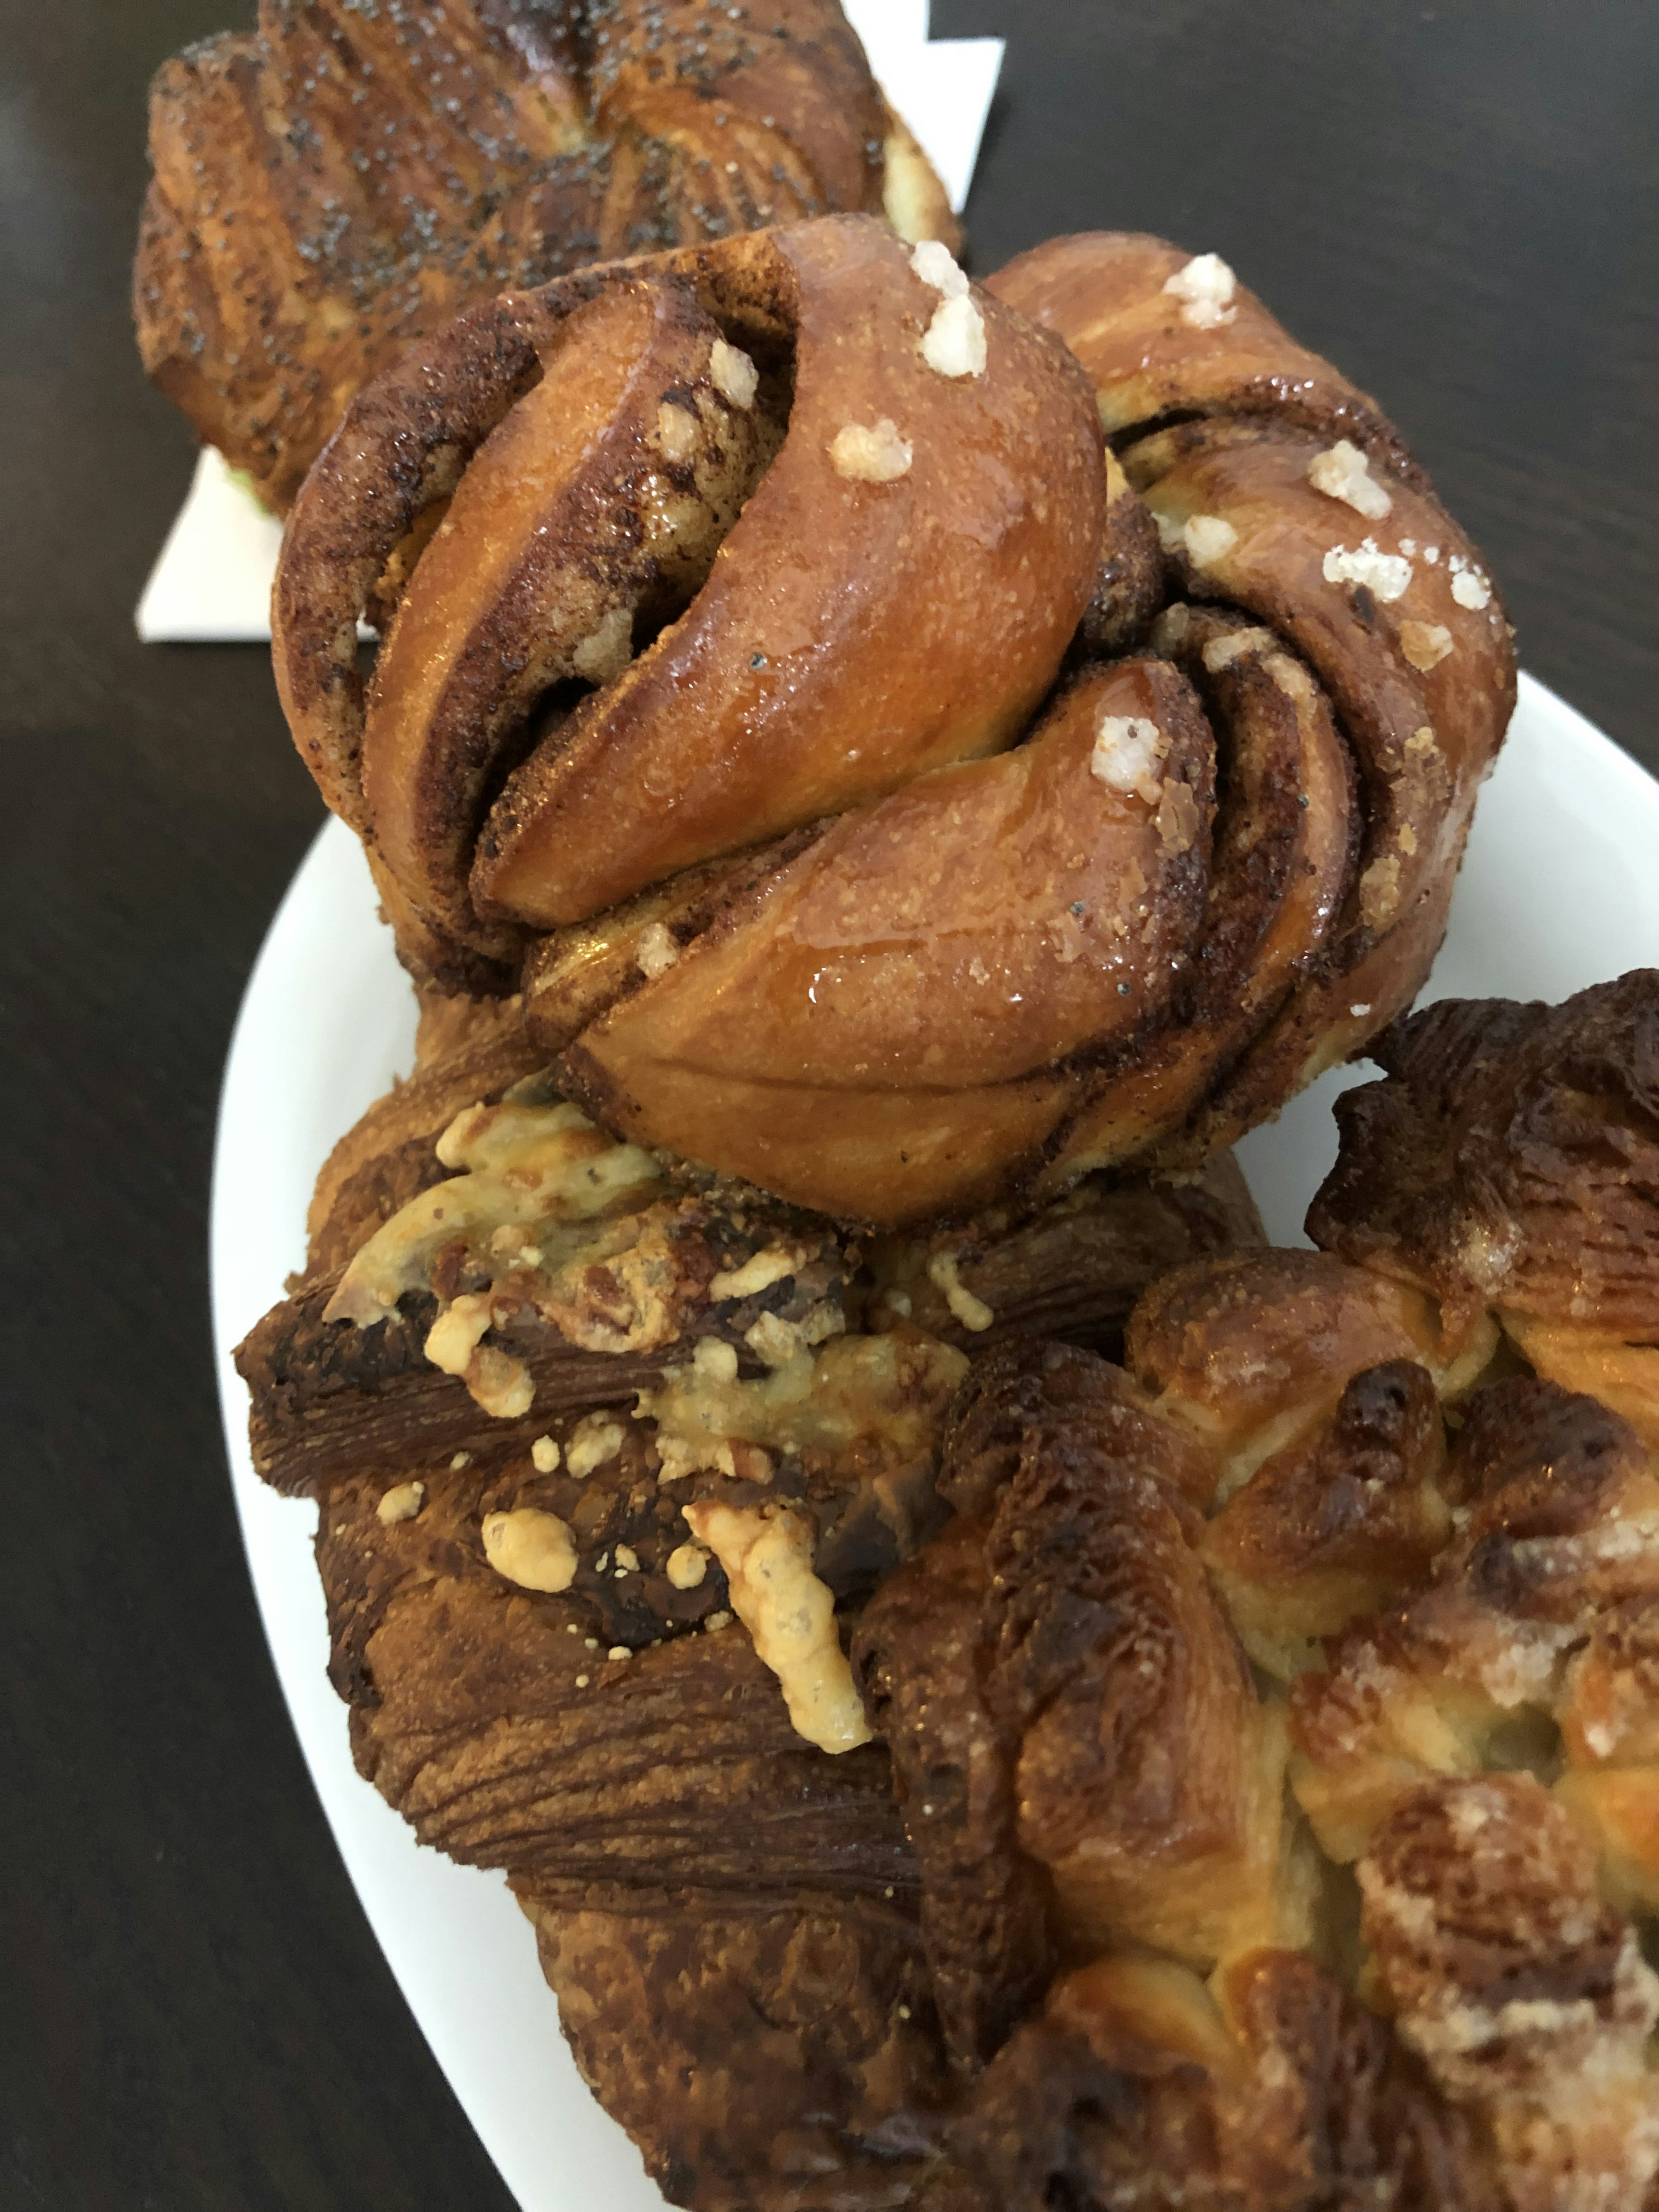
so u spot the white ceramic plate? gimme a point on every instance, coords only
(1560, 888)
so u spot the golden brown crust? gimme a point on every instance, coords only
(331, 1396)
(1067, 1703)
(1553, 1504)
(765, 2062)
(330, 190)
(1608, 1712)
(481, 1713)
(1105, 293)
(733, 664)
(1512, 1158)
(1129, 583)
(1149, 1779)
(598, 502)
(1334, 1525)
(1028, 1398)
(1526, 1995)
(1073, 1268)
(740, 714)
(985, 1904)
(909, 991)
(1422, 738)
(1133, 2090)
(571, 976)
(1397, 620)
(913, 1015)
(1252, 1349)
(1285, 859)
(805, 1980)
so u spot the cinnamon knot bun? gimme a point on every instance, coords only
(331, 187)
(881, 787)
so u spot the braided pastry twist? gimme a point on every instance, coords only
(1140, 1660)
(986, 813)
(332, 187)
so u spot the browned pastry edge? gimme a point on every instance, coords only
(1512, 1158)
(745, 2053)
(1124, 2093)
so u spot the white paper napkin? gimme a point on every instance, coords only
(211, 583)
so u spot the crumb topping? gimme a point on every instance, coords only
(687, 1567)
(734, 376)
(769, 1265)
(877, 1397)
(596, 1438)
(678, 433)
(1221, 652)
(790, 1615)
(499, 1385)
(544, 1455)
(1469, 587)
(935, 263)
(944, 1272)
(714, 1360)
(657, 952)
(1178, 819)
(401, 1503)
(1205, 289)
(601, 657)
(522, 1165)
(1379, 891)
(1425, 645)
(1345, 473)
(877, 454)
(1129, 755)
(775, 1341)
(452, 1338)
(1386, 575)
(534, 1549)
(954, 343)
(1208, 538)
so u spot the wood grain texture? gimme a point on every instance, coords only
(1455, 203)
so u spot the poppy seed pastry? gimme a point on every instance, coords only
(909, 743)
(331, 187)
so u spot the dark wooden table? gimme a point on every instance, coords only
(1457, 202)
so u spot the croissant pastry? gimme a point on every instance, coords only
(331, 187)
(775, 690)
(1510, 1167)
(540, 1612)
(946, 1767)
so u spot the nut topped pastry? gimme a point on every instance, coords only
(590, 1595)
(949, 1767)
(331, 187)
(879, 787)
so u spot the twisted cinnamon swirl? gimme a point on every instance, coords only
(778, 701)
